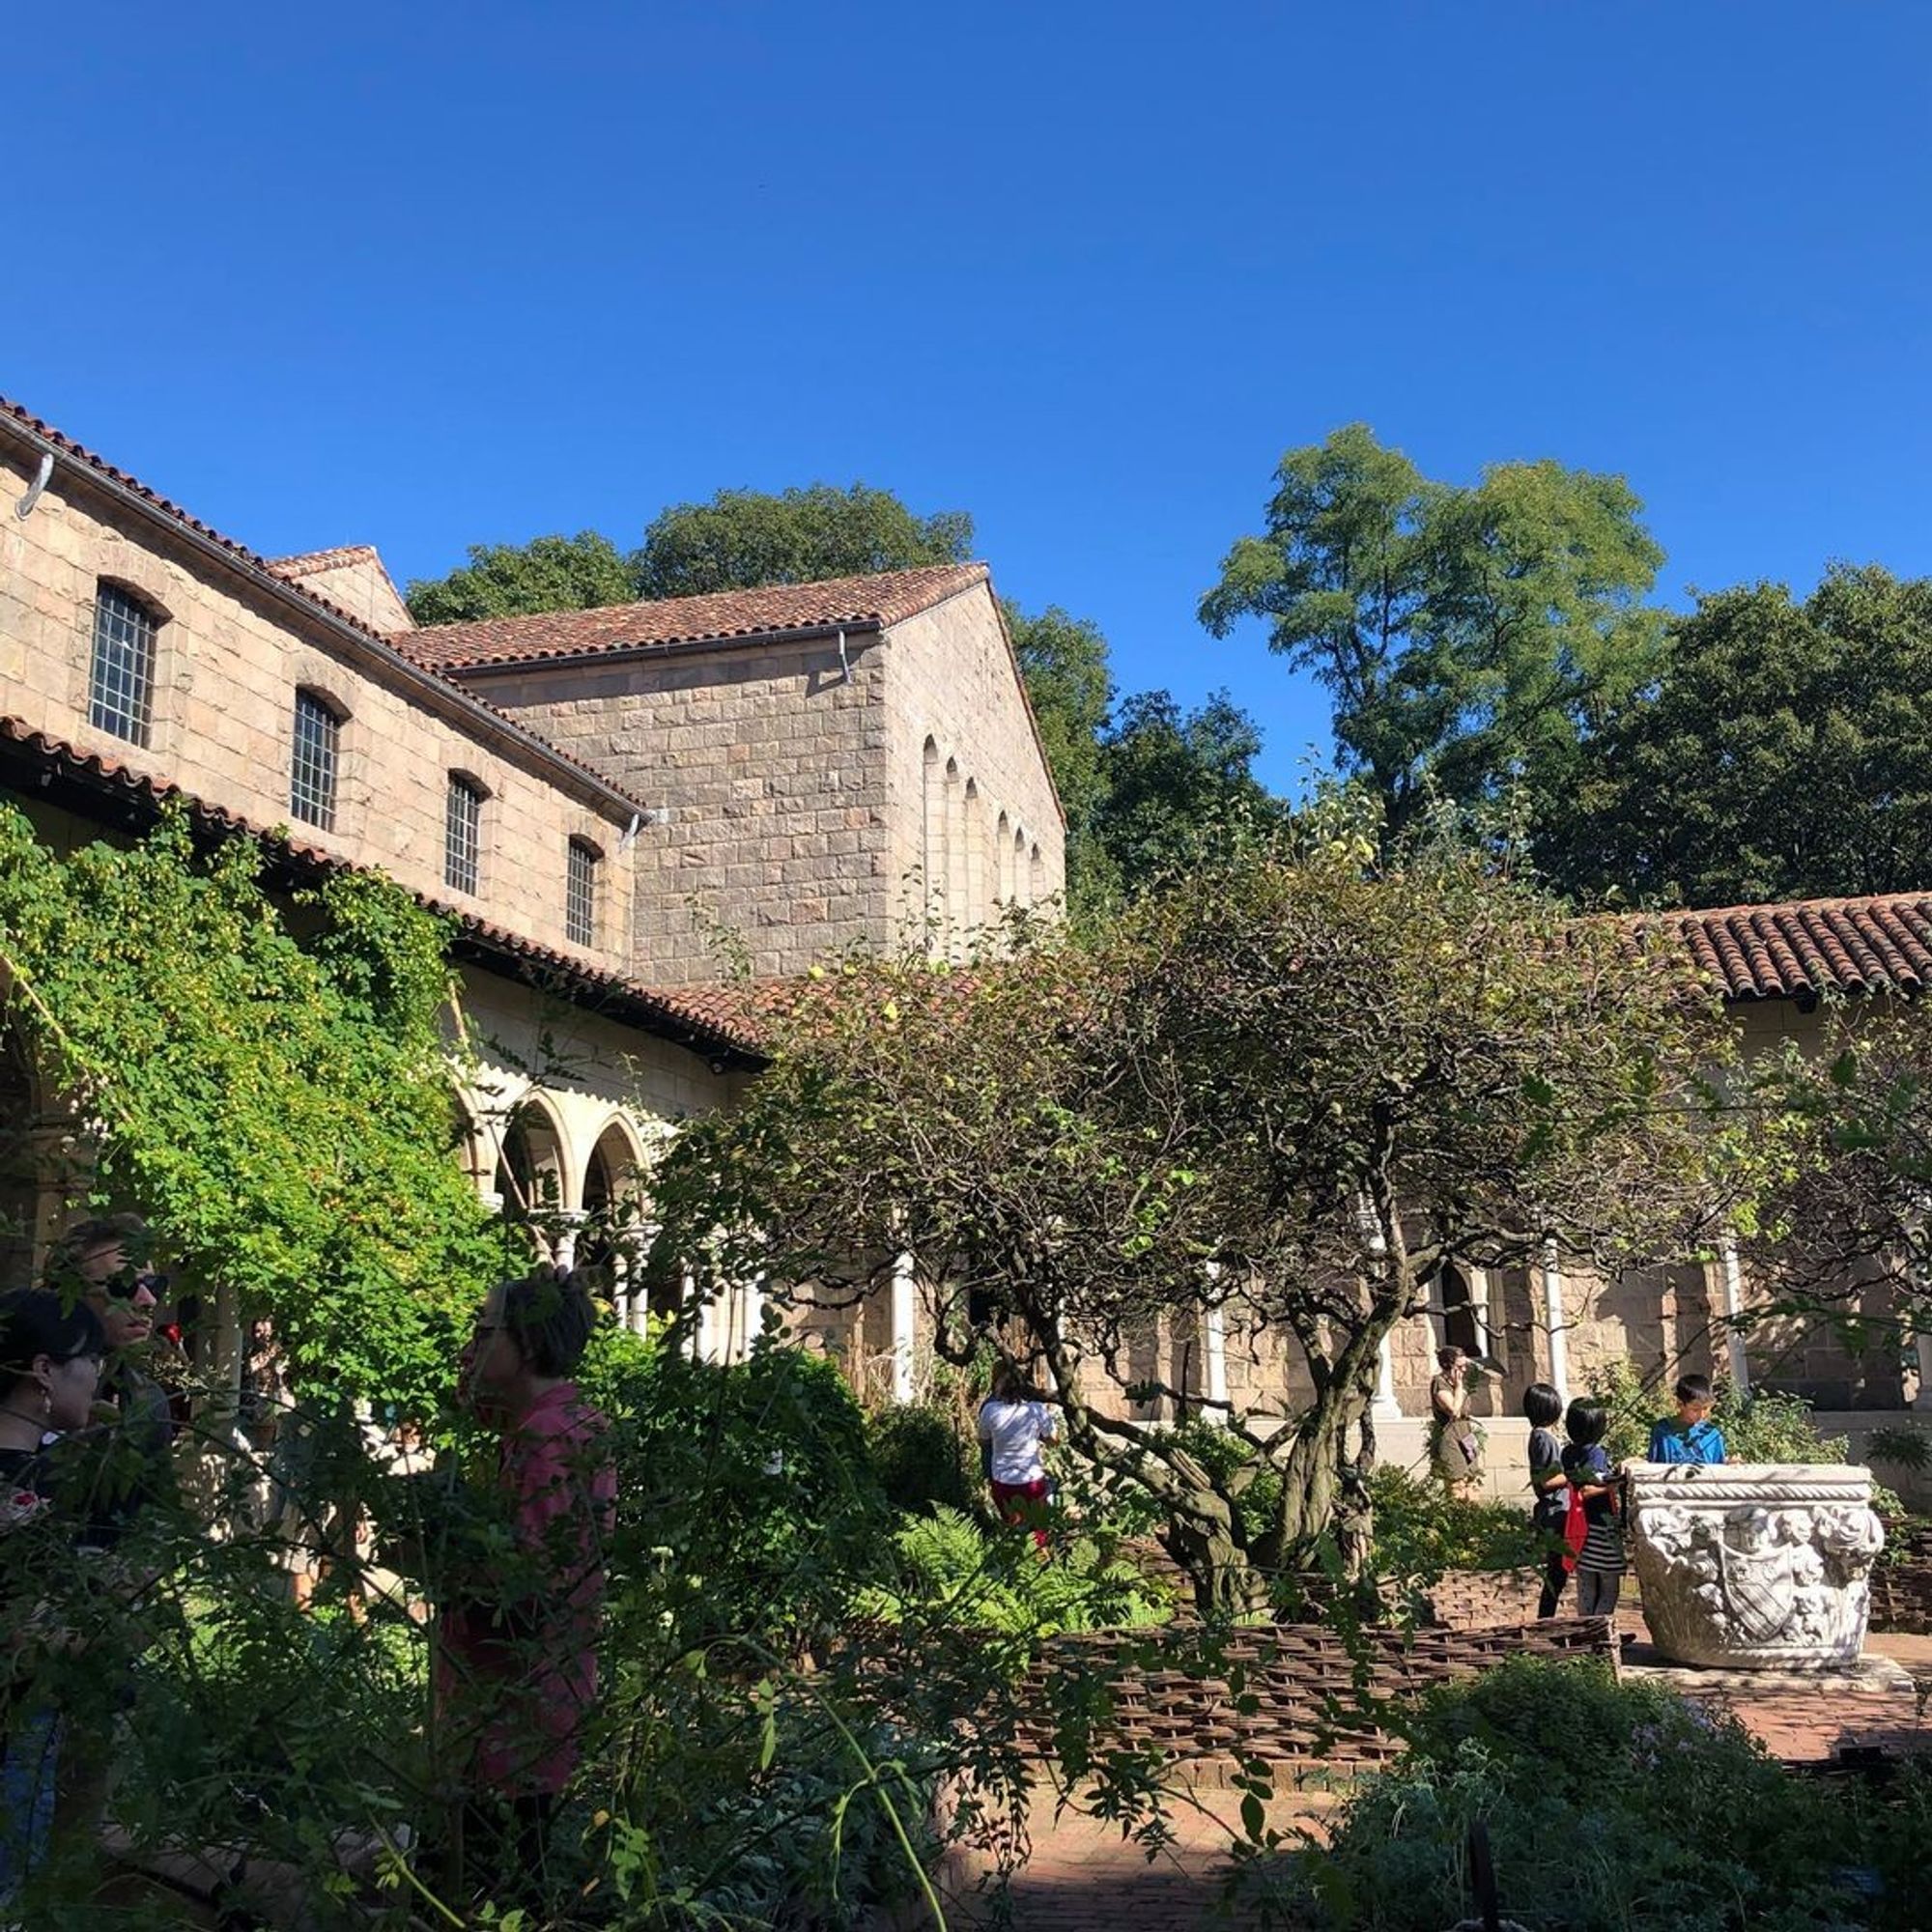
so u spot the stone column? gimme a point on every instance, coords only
(569, 1224)
(1214, 1362)
(1921, 1343)
(1556, 1321)
(1385, 1405)
(1734, 1302)
(751, 1302)
(906, 1325)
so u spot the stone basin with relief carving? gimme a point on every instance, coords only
(1755, 1565)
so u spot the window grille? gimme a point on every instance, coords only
(121, 687)
(461, 840)
(579, 896)
(312, 773)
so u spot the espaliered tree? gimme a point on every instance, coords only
(1294, 1086)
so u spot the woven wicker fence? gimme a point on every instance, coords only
(1293, 1693)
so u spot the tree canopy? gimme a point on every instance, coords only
(520, 579)
(1466, 634)
(743, 538)
(1286, 1084)
(1784, 751)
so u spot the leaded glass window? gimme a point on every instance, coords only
(121, 683)
(312, 771)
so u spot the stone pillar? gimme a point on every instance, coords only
(752, 1305)
(1755, 1565)
(1480, 1310)
(1734, 1302)
(1214, 1363)
(1922, 1344)
(906, 1325)
(569, 1224)
(1385, 1405)
(1556, 1321)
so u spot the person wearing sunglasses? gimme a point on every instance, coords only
(102, 1261)
(49, 1364)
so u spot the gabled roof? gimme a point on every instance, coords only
(281, 576)
(849, 603)
(1803, 947)
(703, 1026)
(313, 562)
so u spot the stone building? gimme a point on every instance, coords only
(596, 799)
(617, 804)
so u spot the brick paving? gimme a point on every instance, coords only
(1084, 1877)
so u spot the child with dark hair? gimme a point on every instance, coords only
(1586, 1463)
(518, 1658)
(1550, 1489)
(1692, 1437)
(49, 1367)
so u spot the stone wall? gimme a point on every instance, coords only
(973, 803)
(770, 763)
(229, 657)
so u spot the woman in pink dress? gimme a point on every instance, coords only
(517, 1655)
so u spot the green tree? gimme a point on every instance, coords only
(279, 1109)
(1172, 780)
(1467, 634)
(519, 580)
(1326, 1081)
(743, 538)
(1785, 751)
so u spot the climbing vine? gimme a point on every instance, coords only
(268, 1082)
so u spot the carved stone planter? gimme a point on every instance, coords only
(1755, 1565)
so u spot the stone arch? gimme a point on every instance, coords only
(612, 1195)
(1022, 876)
(1003, 861)
(1035, 876)
(932, 841)
(955, 856)
(976, 894)
(535, 1175)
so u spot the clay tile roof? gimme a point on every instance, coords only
(1882, 943)
(857, 603)
(701, 1020)
(291, 570)
(312, 562)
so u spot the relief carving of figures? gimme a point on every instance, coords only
(1750, 1565)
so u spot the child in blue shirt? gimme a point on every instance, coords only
(1693, 1437)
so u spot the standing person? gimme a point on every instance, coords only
(1456, 1450)
(1691, 1436)
(103, 1261)
(1549, 1490)
(1014, 1427)
(49, 1367)
(517, 1663)
(1586, 1463)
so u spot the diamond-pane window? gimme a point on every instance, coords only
(312, 773)
(579, 896)
(121, 682)
(462, 834)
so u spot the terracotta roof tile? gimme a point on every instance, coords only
(283, 569)
(708, 1025)
(1880, 944)
(856, 603)
(311, 563)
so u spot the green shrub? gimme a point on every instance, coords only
(1611, 1808)
(1420, 1530)
(923, 1457)
(997, 1581)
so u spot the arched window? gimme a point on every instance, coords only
(463, 833)
(1036, 878)
(580, 894)
(312, 769)
(976, 907)
(932, 844)
(1003, 861)
(954, 901)
(1022, 872)
(121, 683)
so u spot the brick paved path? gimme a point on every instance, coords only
(1084, 1878)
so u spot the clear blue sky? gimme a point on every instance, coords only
(430, 274)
